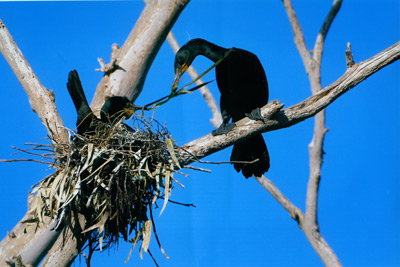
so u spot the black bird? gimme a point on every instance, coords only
(116, 106)
(113, 106)
(243, 85)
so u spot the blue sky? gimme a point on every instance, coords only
(236, 222)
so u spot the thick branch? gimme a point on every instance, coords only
(246, 128)
(18, 238)
(134, 58)
(216, 120)
(68, 245)
(42, 102)
(40, 99)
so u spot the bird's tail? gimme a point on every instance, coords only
(250, 150)
(77, 94)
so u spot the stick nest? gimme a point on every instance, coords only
(113, 176)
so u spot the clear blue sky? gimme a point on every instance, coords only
(236, 222)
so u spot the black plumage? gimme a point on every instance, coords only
(114, 107)
(243, 85)
(93, 128)
(85, 115)
(111, 109)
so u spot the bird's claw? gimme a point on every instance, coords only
(223, 129)
(255, 115)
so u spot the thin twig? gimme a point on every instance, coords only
(34, 160)
(20, 150)
(293, 211)
(155, 231)
(298, 33)
(349, 56)
(319, 43)
(197, 168)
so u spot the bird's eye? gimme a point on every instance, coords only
(182, 57)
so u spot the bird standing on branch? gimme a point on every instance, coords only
(243, 85)
(112, 108)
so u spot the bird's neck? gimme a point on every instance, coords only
(212, 51)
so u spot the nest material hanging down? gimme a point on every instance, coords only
(113, 176)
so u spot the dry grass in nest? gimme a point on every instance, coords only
(113, 177)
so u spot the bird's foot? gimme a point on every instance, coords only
(255, 115)
(223, 129)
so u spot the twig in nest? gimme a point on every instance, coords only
(34, 160)
(197, 168)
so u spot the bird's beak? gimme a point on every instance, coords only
(129, 110)
(178, 74)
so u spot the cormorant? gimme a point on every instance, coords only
(110, 109)
(243, 85)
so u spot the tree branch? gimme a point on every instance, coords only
(293, 211)
(40, 99)
(298, 35)
(21, 237)
(134, 58)
(216, 120)
(319, 43)
(42, 102)
(310, 225)
(69, 244)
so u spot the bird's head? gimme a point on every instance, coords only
(115, 106)
(183, 59)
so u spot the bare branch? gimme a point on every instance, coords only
(316, 159)
(293, 211)
(310, 225)
(321, 247)
(319, 43)
(36, 250)
(134, 58)
(245, 128)
(40, 99)
(24, 237)
(315, 238)
(349, 56)
(216, 120)
(68, 245)
(298, 35)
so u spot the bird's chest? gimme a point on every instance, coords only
(242, 88)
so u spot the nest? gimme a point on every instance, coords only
(113, 176)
